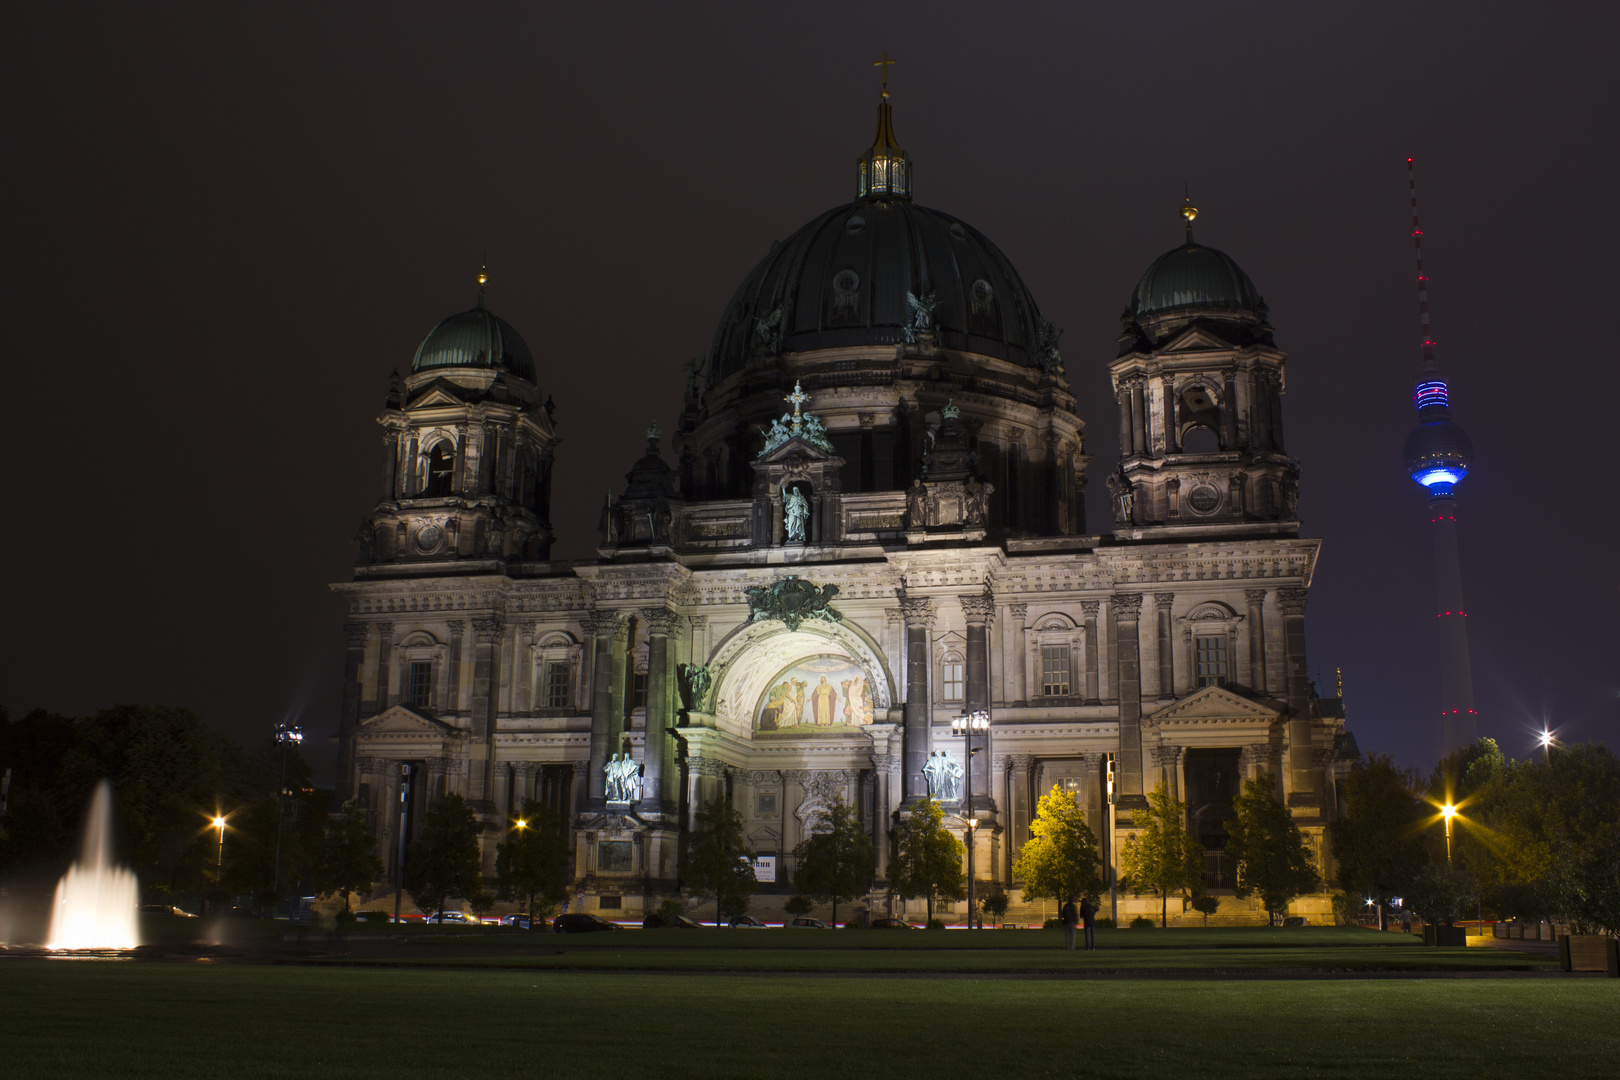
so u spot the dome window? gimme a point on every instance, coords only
(845, 282)
(441, 469)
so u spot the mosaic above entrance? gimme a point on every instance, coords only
(817, 695)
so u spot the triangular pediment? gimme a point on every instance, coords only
(796, 446)
(1194, 338)
(1218, 703)
(404, 720)
(437, 395)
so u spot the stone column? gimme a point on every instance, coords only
(658, 792)
(1128, 677)
(608, 627)
(385, 648)
(919, 616)
(1260, 411)
(1257, 639)
(1020, 786)
(1126, 425)
(1167, 659)
(1229, 415)
(486, 683)
(1138, 417)
(698, 646)
(884, 767)
(1274, 397)
(390, 465)
(1167, 387)
(1301, 784)
(1088, 609)
(355, 635)
(1018, 657)
(579, 791)
(977, 612)
(523, 661)
(1168, 761)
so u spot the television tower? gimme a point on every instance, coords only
(1438, 454)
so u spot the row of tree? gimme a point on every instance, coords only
(1536, 839)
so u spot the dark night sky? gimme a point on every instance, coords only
(228, 222)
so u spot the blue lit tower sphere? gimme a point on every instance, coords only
(1438, 455)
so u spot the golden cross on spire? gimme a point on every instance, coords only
(798, 397)
(884, 65)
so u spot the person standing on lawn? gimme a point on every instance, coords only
(1088, 917)
(1068, 916)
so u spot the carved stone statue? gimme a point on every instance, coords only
(792, 600)
(922, 315)
(1124, 497)
(366, 544)
(694, 680)
(973, 501)
(795, 514)
(916, 505)
(623, 779)
(944, 777)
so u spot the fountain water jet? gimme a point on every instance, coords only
(96, 902)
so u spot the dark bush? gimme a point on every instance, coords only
(936, 924)
(1142, 922)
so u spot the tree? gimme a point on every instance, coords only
(1206, 905)
(835, 860)
(798, 904)
(996, 902)
(716, 860)
(1060, 858)
(1162, 856)
(1440, 895)
(534, 860)
(347, 861)
(1378, 838)
(1267, 849)
(926, 857)
(444, 861)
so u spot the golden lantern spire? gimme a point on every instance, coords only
(1189, 212)
(483, 279)
(884, 170)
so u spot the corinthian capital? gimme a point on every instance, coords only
(487, 631)
(977, 610)
(597, 621)
(1255, 596)
(661, 621)
(1126, 605)
(1292, 600)
(1164, 600)
(919, 612)
(355, 634)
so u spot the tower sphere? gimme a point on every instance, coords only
(1438, 454)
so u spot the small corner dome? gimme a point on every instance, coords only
(475, 339)
(1193, 277)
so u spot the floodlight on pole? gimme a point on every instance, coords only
(1448, 812)
(966, 726)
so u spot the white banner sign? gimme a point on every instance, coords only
(764, 868)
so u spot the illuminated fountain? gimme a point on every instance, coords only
(95, 900)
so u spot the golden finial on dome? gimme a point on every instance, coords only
(883, 65)
(1189, 212)
(483, 279)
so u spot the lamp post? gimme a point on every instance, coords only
(967, 725)
(399, 859)
(219, 864)
(1448, 812)
(287, 734)
(518, 825)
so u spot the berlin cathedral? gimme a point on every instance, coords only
(867, 521)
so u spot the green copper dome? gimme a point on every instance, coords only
(1194, 277)
(477, 339)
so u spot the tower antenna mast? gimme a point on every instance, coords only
(1438, 456)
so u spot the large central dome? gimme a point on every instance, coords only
(853, 277)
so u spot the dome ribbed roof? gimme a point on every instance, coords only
(1194, 277)
(843, 279)
(476, 339)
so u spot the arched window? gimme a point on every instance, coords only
(441, 469)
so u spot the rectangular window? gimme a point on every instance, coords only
(953, 680)
(638, 691)
(419, 684)
(609, 903)
(556, 686)
(1211, 660)
(767, 803)
(1055, 670)
(613, 856)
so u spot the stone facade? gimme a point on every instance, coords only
(943, 566)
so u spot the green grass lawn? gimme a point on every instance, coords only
(178, 1021)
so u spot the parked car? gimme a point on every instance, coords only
(805, 923)
(1294, 920)
(459, 918)
(747, 922)
(523, 922)
(656, 921)
(581, 922)
(891, 924)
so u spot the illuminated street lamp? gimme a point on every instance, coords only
(288, 734)
(1546, 740)
(968, 725)
(219, 864)
(1448, 812)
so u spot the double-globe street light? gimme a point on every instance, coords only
(966, 726)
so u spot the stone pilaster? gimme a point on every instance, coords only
(608, 629)
(1088, 611)
(919, 616)
(1128, 677)
(487, 633)
(1257, 639)
(355, 635)
(659, 778)
(457, 629)
(1018, 655)
(1301, 782)
(1162, 604)
(385, 648)
(977, 612)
